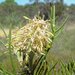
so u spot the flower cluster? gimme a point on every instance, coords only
(35, 36)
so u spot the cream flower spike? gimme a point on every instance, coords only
(36, 35)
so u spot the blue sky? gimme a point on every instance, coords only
(23, 2)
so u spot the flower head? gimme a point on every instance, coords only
(35, 36)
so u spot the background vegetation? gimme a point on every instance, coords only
(64, 44)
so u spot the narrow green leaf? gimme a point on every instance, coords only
(3, 31)
(45, 71)
(10, 50)
(2, 42)
(62, 25)
(38, 65)
(53, 67)
(53, 18)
